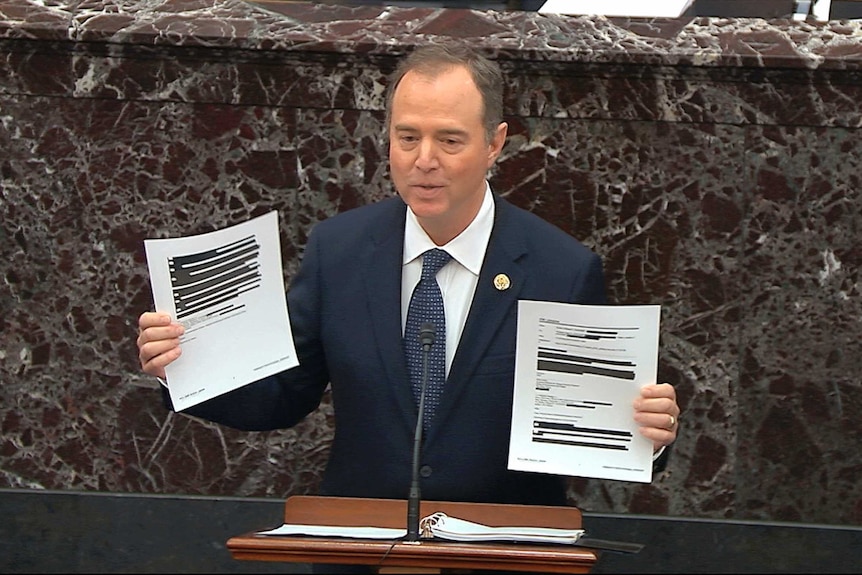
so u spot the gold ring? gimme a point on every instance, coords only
(672, 422)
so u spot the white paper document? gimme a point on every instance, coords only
(578, 370)
(337, 531)
(625, 8)
(227, 289)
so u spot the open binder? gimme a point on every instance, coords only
(441, 526)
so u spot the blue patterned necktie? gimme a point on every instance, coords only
(426, 306)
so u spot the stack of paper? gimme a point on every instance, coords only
(441, 525)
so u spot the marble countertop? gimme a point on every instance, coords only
(519, 35)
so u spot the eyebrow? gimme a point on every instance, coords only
(451, 132)
(443, 132)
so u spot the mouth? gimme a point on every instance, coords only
(426, 187)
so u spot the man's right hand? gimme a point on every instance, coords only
(158, 342)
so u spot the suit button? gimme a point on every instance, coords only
(426, 471)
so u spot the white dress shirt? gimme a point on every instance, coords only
(458, 278)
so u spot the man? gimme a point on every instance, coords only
(349, 304)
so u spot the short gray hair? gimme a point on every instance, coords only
(433, 59)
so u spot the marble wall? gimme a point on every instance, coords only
(714, 164)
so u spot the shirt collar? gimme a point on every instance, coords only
(468, 247)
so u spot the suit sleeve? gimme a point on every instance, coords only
(590, 287)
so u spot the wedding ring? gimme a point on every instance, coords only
(672, 422)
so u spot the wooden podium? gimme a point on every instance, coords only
(424, 556)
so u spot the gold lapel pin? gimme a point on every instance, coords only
(501, 282)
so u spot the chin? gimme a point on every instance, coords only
(430, 211)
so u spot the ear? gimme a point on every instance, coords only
(495, 146)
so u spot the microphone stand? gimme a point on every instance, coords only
(426, 337)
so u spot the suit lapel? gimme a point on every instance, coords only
(490, 305)
(382, 266)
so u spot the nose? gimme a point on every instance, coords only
(426, 158)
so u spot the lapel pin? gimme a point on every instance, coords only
(501, 282)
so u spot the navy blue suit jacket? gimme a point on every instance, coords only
(345, 311)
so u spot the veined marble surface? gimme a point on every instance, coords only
(713, 163)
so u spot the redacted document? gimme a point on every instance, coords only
(578, 371)
(227, 289)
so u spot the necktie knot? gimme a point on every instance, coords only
(432, 261)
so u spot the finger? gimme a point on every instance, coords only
(662, 405)
(148, 351)
(658, 390)
(154, 356)
(660, 419)
(659, 436)
(155, 334)
(153, 319)
(158, 342)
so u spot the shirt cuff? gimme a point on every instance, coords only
(165, 385)
(655, 455)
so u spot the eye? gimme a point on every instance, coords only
(451, 144)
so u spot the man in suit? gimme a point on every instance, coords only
(350, 299)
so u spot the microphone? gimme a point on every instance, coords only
(427, 333)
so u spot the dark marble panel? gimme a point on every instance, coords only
(713, 163)
(742, 96)
(76, 281)
(801, 358)
(589, 89)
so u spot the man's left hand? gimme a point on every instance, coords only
(657, 414)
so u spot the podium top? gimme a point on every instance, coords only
(429, 555)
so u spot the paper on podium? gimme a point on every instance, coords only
(336, 531)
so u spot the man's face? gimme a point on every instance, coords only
(438, 154)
